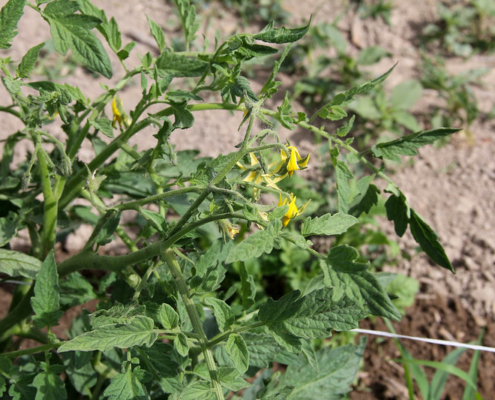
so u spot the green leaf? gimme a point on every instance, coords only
(127, 386)
(118, 314)
(328, 224)
(408, 145)
(398, 211)
(347, 276)
(238, 352)
(162, 361)
(256, 244)
(249, 51)
(27, 63)
(280, 310)
(73, 31)
(138, 332)
(367, 198)
(76, 289)
(187, 14)
(263, 349)
(109, 227)
(114, 35)
(440, 378)
(337, 369)
(157, 33)
(199, 390)
(184, 118)
(8, 228)
(473, 371)
(241, 88)
(180, 344)
(343, 174)
(333, 113)
(104, 125)
(346, 97)
(46, 299)
(10, 14)
(50, 386)
(406, 94)
(248, 288)
(168, 316)
(406, 119)
(223, 313)
(281, 35)
(155, 219)
(282, 393)
(345, 129)
(170, 63)
(319, 314)
(428, 240)
(80, 371)
(371, 55)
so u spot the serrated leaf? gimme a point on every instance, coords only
(157, 33)
(180, 66)
(156, 220)
(288, 341)
(162, 362)
(328, 224)
(241, 88)
(76, 289)
(428, 240)
(223, 313)
(180, 344)
(282, 393)
(126, 386)
(184, 118)
(263, 349)
(168, 317)
(114, 35)
(238, 352)
(108, 229)
(256, 244)
(337, 369)
(50, 386)
(46, 299)
(248, 288)
(343, 174)
(104, 125)
(408, 145)
(80, 372)
(281, 35)
(280, 310)
(27, 63)
(367, 198)
(199, 390)
(73, 31)
(406, 119)
(319, 314)
(10, 14)
(118, 314)
(8, 228)
(345, 129)
(138, 332)
(333, 113)
(398, 211)
(360, 286)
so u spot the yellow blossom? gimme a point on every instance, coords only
(296, 162)
(119, 114)
(293, 211)
(228, 228)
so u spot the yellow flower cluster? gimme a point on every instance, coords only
(119, 115)
(278, 171)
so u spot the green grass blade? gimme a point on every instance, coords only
(440, 378)
(469, 393)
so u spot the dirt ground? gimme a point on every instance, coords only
(452, 187)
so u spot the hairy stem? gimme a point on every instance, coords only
(192, 311)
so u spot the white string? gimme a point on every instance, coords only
(427, 340)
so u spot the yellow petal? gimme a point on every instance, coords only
(292, 166)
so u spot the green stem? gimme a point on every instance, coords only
(192, 311)
(33, 350)
(134, 205)
(50, 206)
(222, 336)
